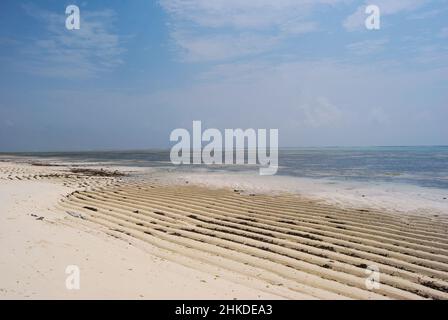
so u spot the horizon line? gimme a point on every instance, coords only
(168, 148)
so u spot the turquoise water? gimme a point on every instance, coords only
(422, 166)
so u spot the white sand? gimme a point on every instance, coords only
(152, 239)
(35, 253)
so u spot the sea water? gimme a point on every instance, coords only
(420, 166)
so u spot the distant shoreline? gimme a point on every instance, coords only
(408, 181)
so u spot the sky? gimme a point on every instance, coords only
(136, 70)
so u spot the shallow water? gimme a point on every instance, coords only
(420, 166)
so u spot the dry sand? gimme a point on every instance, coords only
(137, 238)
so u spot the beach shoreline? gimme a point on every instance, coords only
(186, 238)
(38, 242)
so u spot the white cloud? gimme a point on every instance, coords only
(305, 99)
(387, 7)
(237, 28)
(240, 14)
(321, 112)
(310, 102)
(427, 14)
(367, 47)
(396, 6)
(295, 27)
(222, 47)
(77, 53)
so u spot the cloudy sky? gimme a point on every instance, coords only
(138, 69)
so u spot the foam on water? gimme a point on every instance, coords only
(401, 178)
(379, 195)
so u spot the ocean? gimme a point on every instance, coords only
(419, 166)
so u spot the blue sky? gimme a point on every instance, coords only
(138, 69)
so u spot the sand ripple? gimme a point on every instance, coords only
(309, 248)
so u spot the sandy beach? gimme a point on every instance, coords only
(139, 238)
